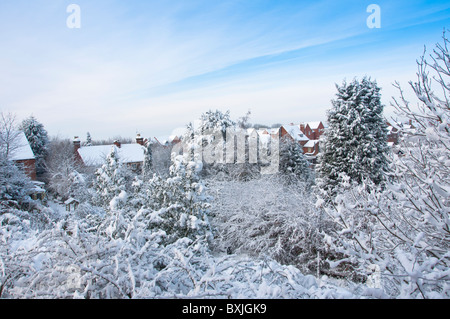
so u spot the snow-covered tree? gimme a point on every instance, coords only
(403, 228)
(88, 139)
(244, 121)
(147, 165)
(110, 182)
(62, 169)
(293, 163)
(38, 138)
(8, 135)
(212, 121)
(15, 186)
(355, 142)
(180, 202)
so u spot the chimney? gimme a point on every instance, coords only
(76, 147)
(117, 143)
(302, 127)
(139, 139)
(76, 144)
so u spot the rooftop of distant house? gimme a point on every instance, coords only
(95, 155)
(22, 150)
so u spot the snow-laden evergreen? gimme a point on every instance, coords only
(211, 121)
(355, 141)
(110, 182)
(38, 138)
(15, 186)
(88, 139)
(147, 165)
(293, 163)
(180, 202)
(403, 228)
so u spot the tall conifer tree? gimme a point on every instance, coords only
(355, 142)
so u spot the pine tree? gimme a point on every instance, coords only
(293, 164)
(212, 121)
(110, 182)
(15, 186)
(355, 142)
(179, 202)
(88, 139)
(212, 134)
(38, 138)
(147, 165)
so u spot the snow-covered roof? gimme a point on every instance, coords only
(95, 155)
(295, 132)
(262, 131)
(38, 187)
(311, 143)
(70, 201)
(275, 130)
(264, 136)
(314, 125)
(173, 138)
(22, 150)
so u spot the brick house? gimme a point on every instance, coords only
(294, 133)
(306, 134)
(311, 148)
(23, 156)
(392, 135)
(130, 154)
(313, 130)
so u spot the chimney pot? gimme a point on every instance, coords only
(76, 147)
(139, 139)
(76, 142)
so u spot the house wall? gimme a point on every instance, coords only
(29, 167)
(393, 136)
(312, 150)
(318, 131)
(283, 133)
(312, 134)
(306, 130)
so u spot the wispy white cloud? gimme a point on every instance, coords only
(148, 65)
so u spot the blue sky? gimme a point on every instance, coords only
(153, 66)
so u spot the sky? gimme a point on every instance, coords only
(151, 67)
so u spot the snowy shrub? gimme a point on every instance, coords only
(70, 262)
(388, 228)
(267, 217)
